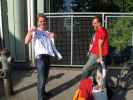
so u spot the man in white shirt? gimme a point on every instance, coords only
(44, 48)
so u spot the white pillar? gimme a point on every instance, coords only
(31, 22)
(1, 27)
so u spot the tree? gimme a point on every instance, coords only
(120, 33)
(124, 5)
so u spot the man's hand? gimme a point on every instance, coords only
(31, 29)
(90, 47)
(51, 35)
(99, 60)
(28, 37)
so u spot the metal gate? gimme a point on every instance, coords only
(74, 32)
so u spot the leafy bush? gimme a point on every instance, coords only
(121, 33)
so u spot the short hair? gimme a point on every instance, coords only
(41, 15)
(98, 18)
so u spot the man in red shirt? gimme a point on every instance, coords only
(99, 47)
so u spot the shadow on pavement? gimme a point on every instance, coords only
(35, 83)
(63, 87)
(119, 94)
(55, 76)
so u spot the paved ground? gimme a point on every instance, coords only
(61, 84)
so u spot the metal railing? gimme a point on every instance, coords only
(74, 32)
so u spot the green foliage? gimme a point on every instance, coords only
(92, 5)
(121, 32)
(124, 5)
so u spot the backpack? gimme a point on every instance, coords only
(84, 92)
(77, 95)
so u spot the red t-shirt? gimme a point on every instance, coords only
(101, 33)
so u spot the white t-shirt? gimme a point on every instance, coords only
(42, 43)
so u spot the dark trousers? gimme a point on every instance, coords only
(42, 64)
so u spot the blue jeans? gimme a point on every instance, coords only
(42, 63)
